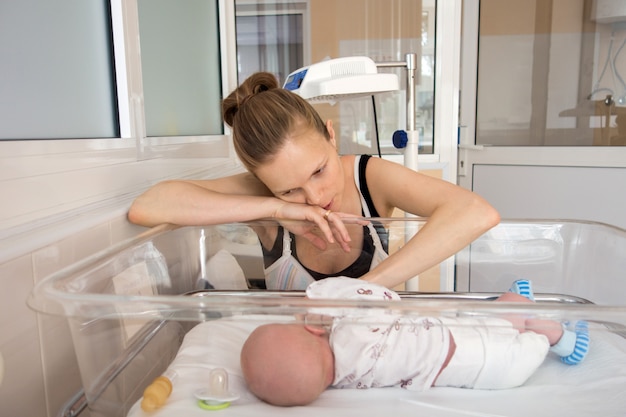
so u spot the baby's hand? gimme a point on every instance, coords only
(319, 320)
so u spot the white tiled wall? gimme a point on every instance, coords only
(41, 372)
(64, 205)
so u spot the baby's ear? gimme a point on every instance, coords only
(315, 330)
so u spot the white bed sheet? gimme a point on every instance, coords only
(596, 387)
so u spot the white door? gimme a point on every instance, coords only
(543, 122)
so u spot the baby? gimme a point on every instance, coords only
(291, 364)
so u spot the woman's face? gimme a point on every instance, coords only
(307, 169)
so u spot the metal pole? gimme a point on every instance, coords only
(412, 145)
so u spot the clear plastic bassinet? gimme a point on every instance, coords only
(131, 306)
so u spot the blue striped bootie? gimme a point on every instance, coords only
(523, 287)
(574, 344)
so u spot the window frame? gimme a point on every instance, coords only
(127, 57)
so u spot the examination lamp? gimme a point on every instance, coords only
(340, 78)
(343, 78)
(351, 77)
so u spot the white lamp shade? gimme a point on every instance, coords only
(340, 78)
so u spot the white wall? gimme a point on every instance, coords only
(41, 371)
(37, 348)
(554, 192)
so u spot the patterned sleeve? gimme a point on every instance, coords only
(349, 288)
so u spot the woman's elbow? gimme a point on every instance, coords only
(142, 210)
(489, 215)
(137, 215)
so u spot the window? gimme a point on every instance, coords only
(381, 29)
(59, 75)
(56, 70)
(551, 73)
(180, 62)
(270, 37)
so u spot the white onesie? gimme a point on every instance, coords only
(410, 351)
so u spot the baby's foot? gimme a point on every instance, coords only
(574, 344)
(523, 287)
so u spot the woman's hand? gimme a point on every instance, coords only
(332, 225)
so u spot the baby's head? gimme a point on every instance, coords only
(287, 364)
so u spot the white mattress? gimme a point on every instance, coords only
(596, 387)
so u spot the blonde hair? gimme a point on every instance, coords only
(263, 116)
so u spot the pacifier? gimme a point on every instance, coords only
(216, 396)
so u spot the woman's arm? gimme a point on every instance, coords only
(237, 198)
(188, 203)
(456, 217)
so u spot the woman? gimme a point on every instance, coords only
(295, 173)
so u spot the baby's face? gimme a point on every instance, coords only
(324, 363)
(311, 363)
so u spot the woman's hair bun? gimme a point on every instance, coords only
(255, 84)
(262, 81)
